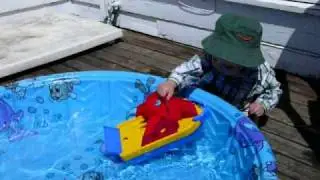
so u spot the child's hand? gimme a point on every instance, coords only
(166, 89)
(256, 109)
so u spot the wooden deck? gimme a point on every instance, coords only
(292, 128)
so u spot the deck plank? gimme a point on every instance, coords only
(185, 52)
(160, 45)
(141, 57)
(294, 169)
(283, 114)
(138, 57)
(283, 176)
(102, 65)
(297, 84)
(127, 62)
(156, 56)
(60, 68)
(79, 65)
(292, 150)
(298, 92)
(294, 146)
(284, 131)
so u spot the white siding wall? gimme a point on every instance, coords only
(290, 40)
(297, 6)
(93, 9)
(8, 6)
(308, 1)
(96, 2)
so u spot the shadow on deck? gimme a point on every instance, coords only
(309, 131)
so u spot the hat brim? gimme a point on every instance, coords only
(248, 57)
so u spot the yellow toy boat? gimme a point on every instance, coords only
(125, 141)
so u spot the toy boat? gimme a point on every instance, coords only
(129, 141)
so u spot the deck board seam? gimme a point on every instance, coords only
(297, 160)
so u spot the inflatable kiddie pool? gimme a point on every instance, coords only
(51, 127)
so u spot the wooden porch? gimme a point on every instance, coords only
(293, 129)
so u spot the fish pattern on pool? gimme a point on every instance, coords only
(10, 122)
(17, 90)
(145, 89)
(247, 134)
(62, 89)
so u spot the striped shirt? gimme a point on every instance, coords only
(258, 85)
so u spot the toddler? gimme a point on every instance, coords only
(232, 68)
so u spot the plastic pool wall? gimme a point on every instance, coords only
(52, 128)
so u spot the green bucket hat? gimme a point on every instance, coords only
(236, 39)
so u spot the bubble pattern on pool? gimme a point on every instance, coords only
(52, 128)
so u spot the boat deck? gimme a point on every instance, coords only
(293, 128)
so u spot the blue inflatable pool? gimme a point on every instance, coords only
(52, 128)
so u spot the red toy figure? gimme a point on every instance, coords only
(162, 116)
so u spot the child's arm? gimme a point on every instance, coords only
(270, 97)
(187, 73)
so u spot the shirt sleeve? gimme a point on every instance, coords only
(188, 73)
(270, 97)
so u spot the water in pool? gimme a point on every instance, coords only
(54, 128)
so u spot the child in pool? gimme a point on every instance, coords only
(232, 68)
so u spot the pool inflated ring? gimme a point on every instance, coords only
(56, 125)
